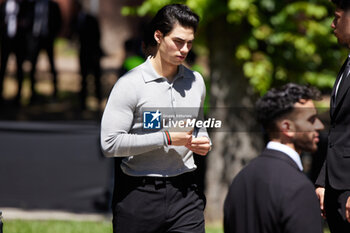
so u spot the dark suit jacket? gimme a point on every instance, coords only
(54, 19)
(272, 195)
(337, 163)
(89, 34)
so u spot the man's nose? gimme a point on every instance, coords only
(185, 48)
(319, 124)
(333, 24)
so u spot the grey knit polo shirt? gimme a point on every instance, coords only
(147, 152)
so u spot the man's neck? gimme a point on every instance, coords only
(164, 68)
(289, 144)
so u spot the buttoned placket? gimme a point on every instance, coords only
(172, 95)
(172, 99)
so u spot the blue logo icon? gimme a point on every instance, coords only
(151, 120)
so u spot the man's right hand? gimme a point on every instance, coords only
(320, 194)
(181, 138)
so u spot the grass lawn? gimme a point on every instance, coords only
(53, 226)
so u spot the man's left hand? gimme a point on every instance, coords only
(200, 145)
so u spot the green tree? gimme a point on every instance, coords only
(253, 45)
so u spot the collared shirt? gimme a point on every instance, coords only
(143, 90)
(287, 150)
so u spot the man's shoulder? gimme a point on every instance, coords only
(272, 163)
(188, 73)
(134, 73)
(132, 78)
(285, 169)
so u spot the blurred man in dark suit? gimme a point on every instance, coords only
(14, 26)
(272, 194)
(87, 30)
(334, 179)
(46, 25)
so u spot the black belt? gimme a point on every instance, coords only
(183, 179)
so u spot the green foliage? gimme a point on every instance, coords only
(278, 41)
(291, 42)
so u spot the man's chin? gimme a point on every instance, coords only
(344, 44)
(313, 149)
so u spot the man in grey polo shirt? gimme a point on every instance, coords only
(155, 189)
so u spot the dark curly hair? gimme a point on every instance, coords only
(342, 4)
(278, 102)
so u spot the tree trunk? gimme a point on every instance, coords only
(232, 103)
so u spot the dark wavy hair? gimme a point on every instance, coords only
(342, 4)
(278, 102)
(166, 18)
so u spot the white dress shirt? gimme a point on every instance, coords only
(287, 150)
(341, 77)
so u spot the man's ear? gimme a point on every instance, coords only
(286, 127)
(158, 36)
